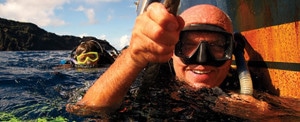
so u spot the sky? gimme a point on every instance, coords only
(111, 20)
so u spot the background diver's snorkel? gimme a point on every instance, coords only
(246, 86)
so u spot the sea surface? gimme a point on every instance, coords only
(33, 88)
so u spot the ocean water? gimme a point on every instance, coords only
(31, 87)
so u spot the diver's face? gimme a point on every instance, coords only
(199, 76)
(89, 62)
(89, 58)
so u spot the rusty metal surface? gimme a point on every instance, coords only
(272, 30)
(254, 14)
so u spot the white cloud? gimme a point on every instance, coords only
(97, 1)
(124, 41)
(103, 37)
(109, 17)
(38, 12)
(83, 34)
(90, 14)
(80, 8)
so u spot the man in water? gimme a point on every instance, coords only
(202, 59)
(200, 43)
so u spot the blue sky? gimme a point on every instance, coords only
(105, 19)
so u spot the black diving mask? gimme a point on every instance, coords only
(204, 52)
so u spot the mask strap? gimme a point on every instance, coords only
(99, 46)
(73, 52)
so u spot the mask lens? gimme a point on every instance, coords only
(84, 57)
(216, 48)
(188, 48)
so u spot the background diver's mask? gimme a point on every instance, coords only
(214, 53)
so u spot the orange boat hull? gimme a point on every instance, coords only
(272, 51)
(277, 48)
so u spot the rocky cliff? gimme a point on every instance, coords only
(20, 36)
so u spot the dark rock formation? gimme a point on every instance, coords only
(20, 36)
